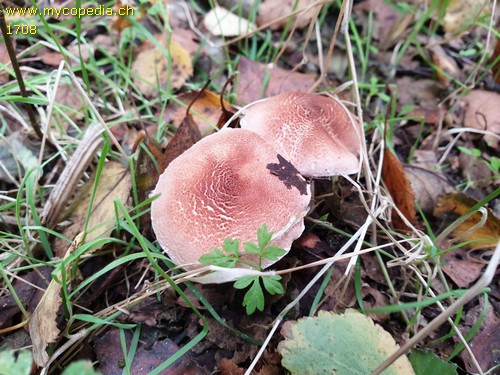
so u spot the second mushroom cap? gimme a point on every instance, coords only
(317, 134)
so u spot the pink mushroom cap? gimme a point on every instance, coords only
(317, 134)
(227, 186)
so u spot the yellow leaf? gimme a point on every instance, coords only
(483, 235)
(115, 183)
(151, 69)
(460, 14)
(206, 110)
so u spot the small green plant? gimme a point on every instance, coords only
(230, 255)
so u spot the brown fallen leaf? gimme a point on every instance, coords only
(481, 112)
(447, 67)
(373, 298)
(399, 30)
(275, 12)
(228, 367)
(385, 18)
(423, 93)
(69, 97)
(114, 183)
(205, 111)
(485, 236)
(151, 69)
(186, 38)
(43, 322)
(28, 290)
(119, 23)
(50, 57)
(149, 354)
(252, 77)
(431, 116)
(427, 186)
(485, 342)
(474, 169)
(187, 135)
(399, 187)
(460, 268)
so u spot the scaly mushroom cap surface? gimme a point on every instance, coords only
(227, 185)
(317, 134)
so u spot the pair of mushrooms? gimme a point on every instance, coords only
(232, 182)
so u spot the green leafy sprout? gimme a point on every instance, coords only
(230, 255)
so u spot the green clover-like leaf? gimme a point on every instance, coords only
(214, 255)
(273, 252)
(251, 248)
(263, 236)
(244, 282)
(231, 246)
(254, 298)
(218, 258)
(273, 285)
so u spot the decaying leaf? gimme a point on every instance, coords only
(220, 21)
(483, 236)
(427, 186)
(151, 69)
(275, 12)
(114, 183)
(187, 135)
(481, 112)
(146, 356)
(399, 187)
(460, 268)
(73, 104)
(485, 342)
(258, 80)
(345, 344)
(205, 111)
(460, 14)
(120, 23)
(384, 21)
(446, 66)
(42, 326)
(28, 291)
(423, 93)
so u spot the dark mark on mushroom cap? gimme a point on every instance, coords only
(287, 173)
